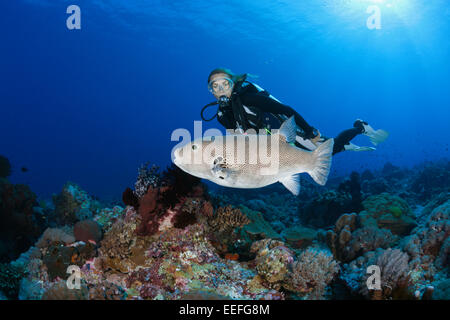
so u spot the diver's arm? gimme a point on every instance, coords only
(270, 105)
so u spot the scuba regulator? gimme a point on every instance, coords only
(222, 102)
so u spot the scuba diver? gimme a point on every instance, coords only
(244, 105)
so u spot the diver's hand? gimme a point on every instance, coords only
(316, 138)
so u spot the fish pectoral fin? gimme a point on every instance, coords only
(220, 169)
(292, 183)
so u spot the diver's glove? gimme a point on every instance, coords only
(375, 136)
(312, 134)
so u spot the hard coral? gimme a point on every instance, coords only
(228, 218)
(389, 212)
(223, 226)
(310, 275)
(106, 291)
(54, 236)
(272, 261)
(60, 291)
(87, 230)
(350, 239)
(74, 204)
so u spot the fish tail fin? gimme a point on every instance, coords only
(322, 162)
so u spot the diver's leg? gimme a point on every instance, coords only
(344, 139)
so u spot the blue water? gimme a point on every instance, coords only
(91, 105)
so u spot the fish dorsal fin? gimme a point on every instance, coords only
(292, 183)
(289, 130)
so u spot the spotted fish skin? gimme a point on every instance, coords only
(255, 161)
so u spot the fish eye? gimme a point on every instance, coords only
(194, 147)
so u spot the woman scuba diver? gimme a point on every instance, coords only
(244, 105)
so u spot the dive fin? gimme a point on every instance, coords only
(292, 183)
(289, 129)
(353, 147)
(375, 136)
(322, 162)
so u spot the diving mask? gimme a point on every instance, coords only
(220, 84)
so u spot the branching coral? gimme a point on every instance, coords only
(227, 218)
(222, 226)
(311, 273)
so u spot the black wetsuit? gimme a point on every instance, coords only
(252, 107)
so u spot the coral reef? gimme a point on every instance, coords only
(350, 239)
(431, 179)
(74, 204)
(147, 177)
(299, 237)
(175, 239)
(20, 226)
(272, 261)
(323, 210)
(59, 291)
(395, 282)
(388, 212)
(10, 276)
(87, 230)
(311, 273)
(5, 167)
(55, 236)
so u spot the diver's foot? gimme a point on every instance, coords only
(375, 136)
(353, 147)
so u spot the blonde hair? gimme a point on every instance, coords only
(233, 76)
